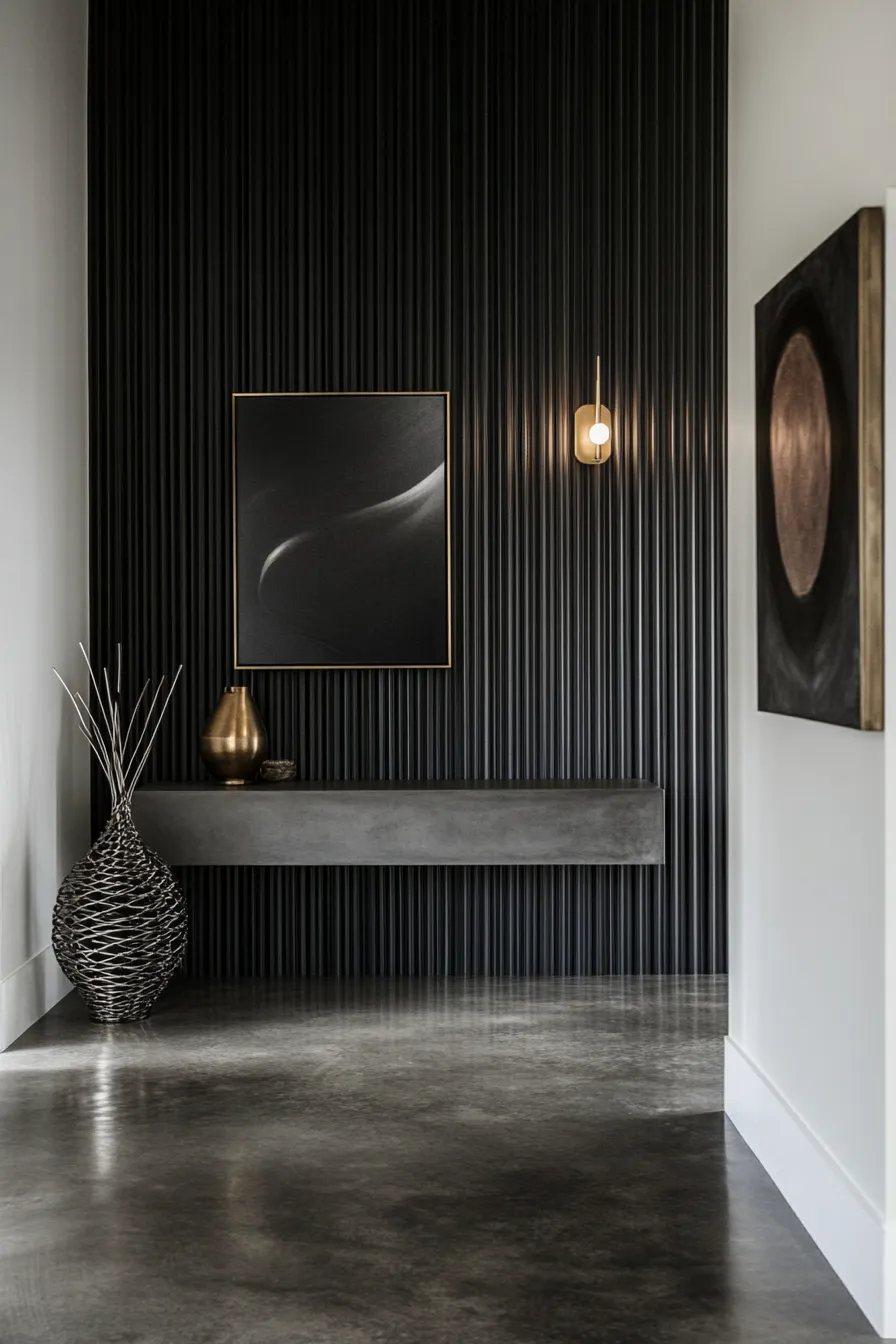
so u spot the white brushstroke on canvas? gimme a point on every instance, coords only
(403, 512)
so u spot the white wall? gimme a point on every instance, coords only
(43, 483)
(812, 137)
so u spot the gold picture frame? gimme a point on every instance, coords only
(344, 666)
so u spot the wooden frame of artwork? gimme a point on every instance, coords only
(819, 460)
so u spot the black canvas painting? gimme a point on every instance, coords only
(341, 536)
(819, 483)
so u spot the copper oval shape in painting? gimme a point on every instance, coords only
(800, 443)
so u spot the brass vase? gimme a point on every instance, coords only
(234, 742)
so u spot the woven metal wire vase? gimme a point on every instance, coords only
(120, 919)
(120, 924)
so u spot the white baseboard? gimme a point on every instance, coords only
(843, 1223)
(28, 993)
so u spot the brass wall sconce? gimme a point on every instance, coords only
(592, 429)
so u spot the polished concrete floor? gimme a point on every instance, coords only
(491, 1162)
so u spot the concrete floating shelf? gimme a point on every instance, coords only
(495, 822)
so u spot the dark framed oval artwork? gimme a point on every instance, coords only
(819, 482)
(341, 530)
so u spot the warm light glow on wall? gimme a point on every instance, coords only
(593, 428)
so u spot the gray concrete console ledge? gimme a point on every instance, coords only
(429, 822)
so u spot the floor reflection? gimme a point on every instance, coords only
(431, 1161)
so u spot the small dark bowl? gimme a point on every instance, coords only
(276, 772)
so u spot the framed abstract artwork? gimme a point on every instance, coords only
(341, 530)
(819, 479)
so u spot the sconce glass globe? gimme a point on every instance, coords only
(599, 433)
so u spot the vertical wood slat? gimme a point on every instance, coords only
(401, 194)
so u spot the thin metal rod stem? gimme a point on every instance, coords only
(149, 745)
(105, 738)
(147, 725)
(139, 701)
(96, 747)
(96, 689)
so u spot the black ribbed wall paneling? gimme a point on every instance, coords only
(403, 194)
